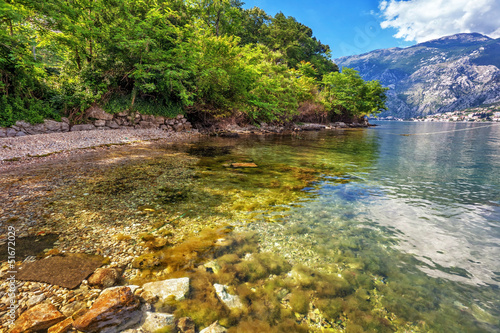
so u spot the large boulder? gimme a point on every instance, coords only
(113, 311)
(39, 317)
(172, 287)
(98, 113)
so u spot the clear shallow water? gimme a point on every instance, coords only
(402, 221)
(430, 192)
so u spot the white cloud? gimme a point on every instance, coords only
(423, 20)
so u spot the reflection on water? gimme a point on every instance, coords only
(439, 191)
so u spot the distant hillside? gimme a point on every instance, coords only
(446, 74)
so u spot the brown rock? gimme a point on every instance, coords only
(39, 317)
(112, 124)
(62, 327)
(104, 277)
(114, 307)
(178, 127)
(99, 123)
(185, 325)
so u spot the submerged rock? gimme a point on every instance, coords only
(214, 328)
(244, 165)
(172, 287)
(104, 277)
(113, 311)
(232, 301)
(153, 322)
(185, 325)
(38, 318)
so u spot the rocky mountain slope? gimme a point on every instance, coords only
(446, 74)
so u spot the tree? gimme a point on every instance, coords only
(347, 93)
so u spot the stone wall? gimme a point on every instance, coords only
(99, 120)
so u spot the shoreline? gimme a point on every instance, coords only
(15, 151)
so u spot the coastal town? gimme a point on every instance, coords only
(490, 113)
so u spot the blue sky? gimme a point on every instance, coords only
(360, 26)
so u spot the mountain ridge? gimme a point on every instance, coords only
(445, 74)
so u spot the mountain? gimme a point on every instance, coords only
(445, 74)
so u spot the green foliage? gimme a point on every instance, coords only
(163, 57)
(348, 93)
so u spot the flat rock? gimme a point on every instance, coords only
(232, 301)
(100, 123)
(163, 289)
(98, 113)
(35, 300)
(82, 127)
(61, 327)
(152, 322)
(113, 311)
(39, 317)
(66, 271)
(244, 165)
(214, 328)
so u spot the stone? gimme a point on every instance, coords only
(178, 127)
(3, 133)
(22, 124)
(104, 277)
(159, 120)
(184, 120)
(64, 127)
(155, 321)
(122, 114)
(113, 311)
(188, 126)
(98, 113)
(232, 301)
(164, 127)
(170, 122)
(35, 300)
(147, 124)
(244, 165)
(52, 126)
(112, 124)
(65, 120)
(179, 116)
(214, 328)
(61, 327)
(67, 271)
(20, 133)
(39, 317)
(70, 309)
(340, 124)
(83, 127)
(163, 289)
(99, 123)
(148, 118)
(185, 325)
(10, 132)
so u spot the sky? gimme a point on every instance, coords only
(359, 26)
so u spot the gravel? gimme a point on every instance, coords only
(13, 149)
